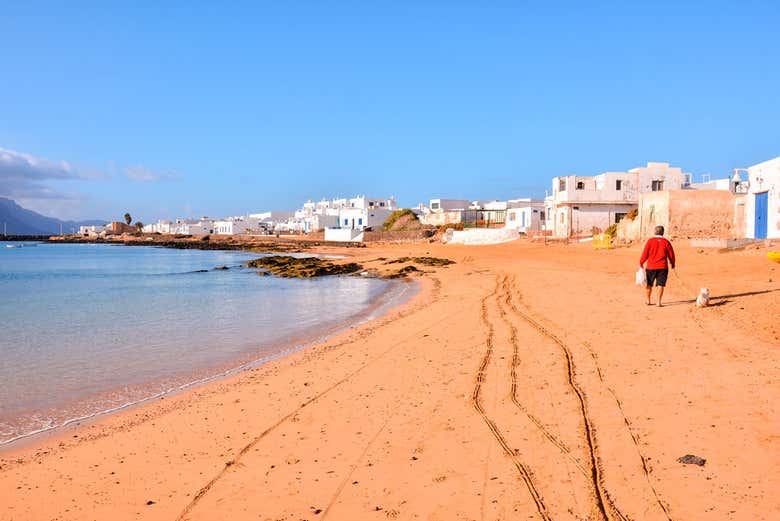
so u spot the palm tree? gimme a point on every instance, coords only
(128, 218)
(140, 226)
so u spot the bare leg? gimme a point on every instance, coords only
(660, 295)
(648, 291)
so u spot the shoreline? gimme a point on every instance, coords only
(459, 405)
(396, 294)
(254, 243)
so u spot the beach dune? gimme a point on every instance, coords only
(525, 381)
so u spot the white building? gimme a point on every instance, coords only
(204, 226)
(443, 211)
(762, 208)
(580, 205)
(525, 215)
(354, 213)
(92, 230)
(238, 226)
(448, 205)
(161, 226)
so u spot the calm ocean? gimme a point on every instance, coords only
(88, 328)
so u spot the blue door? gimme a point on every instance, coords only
(762, 215)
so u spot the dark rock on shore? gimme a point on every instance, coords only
(221, 268)
(690, 459)
(294, 267)
(403, 272)
(425, 261)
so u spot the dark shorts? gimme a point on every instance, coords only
(657, 276)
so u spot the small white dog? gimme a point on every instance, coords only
(703, 300)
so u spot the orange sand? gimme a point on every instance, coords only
(524, 382)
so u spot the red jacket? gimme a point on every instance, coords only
(657, 250)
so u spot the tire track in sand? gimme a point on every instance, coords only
(603, 500)
(513, 375)
(626, 421)
(525, 474)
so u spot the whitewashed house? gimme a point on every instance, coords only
(580, 205)
(525, 215)
(237, 226)
(762, 208)
(161, 226)
(91, 231)
(203, 226)
(443, 211)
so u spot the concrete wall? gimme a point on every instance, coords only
(441, 218)
(628, 231)
(480, 236)
(689, 213)
(343, 235)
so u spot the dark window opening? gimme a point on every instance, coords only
(580, 185)
(619, 184)
(658, 186)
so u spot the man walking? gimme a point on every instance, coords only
(657, 250)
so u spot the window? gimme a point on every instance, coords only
(346, 222)
(658, 186)
(541, 215)
(561, 184)
(580, 185)
(381, 204)
(511, 216)
(619, 184)
(619, 217)
(360, 222)
(434, 206)
(575, 207)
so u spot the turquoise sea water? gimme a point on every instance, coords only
(89, 328)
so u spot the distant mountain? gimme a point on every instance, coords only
(20, 221)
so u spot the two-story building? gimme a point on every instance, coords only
(582, 205)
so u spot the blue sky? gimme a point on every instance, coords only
(186, 110)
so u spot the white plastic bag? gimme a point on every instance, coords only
(641, 279)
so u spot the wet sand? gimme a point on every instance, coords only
(523, 382)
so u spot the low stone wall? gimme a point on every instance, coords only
(398, 236)
(480, 236)
(723, 243)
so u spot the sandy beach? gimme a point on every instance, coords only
(525, 381)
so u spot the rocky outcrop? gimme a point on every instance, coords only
(305, 268)
(425, 261)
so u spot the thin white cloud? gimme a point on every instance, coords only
(23, 176)
(143, 174)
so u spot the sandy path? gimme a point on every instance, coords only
(524, 382)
